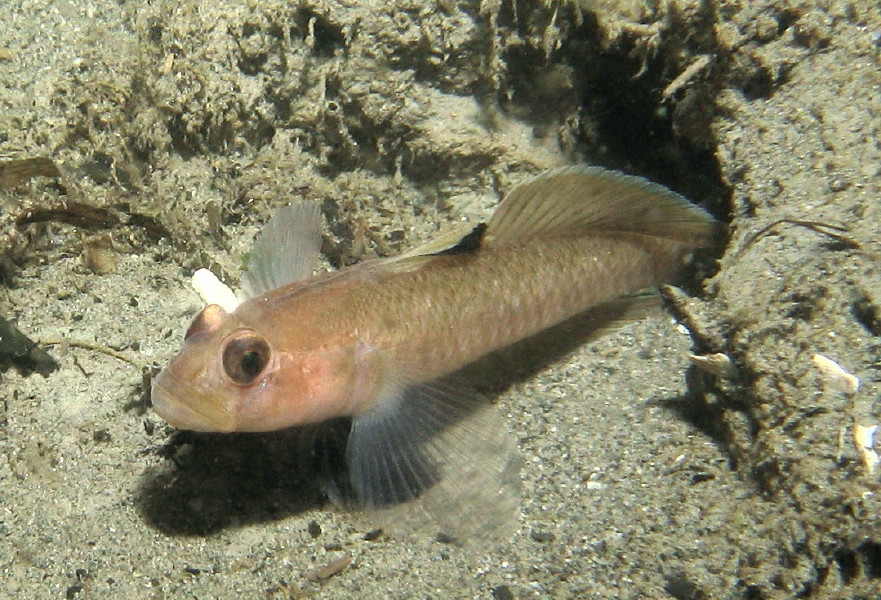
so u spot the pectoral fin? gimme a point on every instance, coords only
(436, 454)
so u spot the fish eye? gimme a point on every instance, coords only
(245, 357)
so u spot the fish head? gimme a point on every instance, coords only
(225, 377)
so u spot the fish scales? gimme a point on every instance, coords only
(449, 312)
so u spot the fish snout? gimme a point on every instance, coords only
(182, 406)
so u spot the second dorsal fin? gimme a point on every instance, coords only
(580, 200)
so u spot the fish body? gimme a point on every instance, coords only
(381, 340)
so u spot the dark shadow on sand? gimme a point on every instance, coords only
(714, 420)
(213, 482)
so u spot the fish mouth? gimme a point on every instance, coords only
(196, 413)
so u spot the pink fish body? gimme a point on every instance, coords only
(381, 341)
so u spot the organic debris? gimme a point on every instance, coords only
(15, 172)
(19, 349)
(99, 255)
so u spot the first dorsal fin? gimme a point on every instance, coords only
(286, 249)
(580, 200)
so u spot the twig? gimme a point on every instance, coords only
(92, 346)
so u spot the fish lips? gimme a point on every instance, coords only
(183, 406)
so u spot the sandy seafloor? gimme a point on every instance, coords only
(178, 128)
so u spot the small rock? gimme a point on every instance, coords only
(542, 536)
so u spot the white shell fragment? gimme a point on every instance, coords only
(834, 377)
(864, 438)
(214, 291)
(718, 364)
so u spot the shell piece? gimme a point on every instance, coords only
(330, 569)
(864, 439)
(834, 377)
(214, 291)
(718, 364)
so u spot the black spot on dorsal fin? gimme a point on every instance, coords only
(468, 244)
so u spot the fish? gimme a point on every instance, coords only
(382, 343)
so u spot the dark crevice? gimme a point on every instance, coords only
(615, 98)
(613, 102)
(252, 64)
(754, 592)
(786, 19)
(862, 561)
(326, 37)
(871, 558)
(866, 313)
